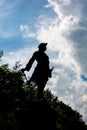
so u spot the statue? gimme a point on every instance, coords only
(42, 72)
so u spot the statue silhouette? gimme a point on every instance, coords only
(42, 72)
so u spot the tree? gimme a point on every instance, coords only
(14, 92)
(1, 54)
(11, 92)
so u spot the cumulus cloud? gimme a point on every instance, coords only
(72, 54)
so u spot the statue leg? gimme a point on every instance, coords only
(41, 86)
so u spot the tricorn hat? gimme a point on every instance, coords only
(41, 45)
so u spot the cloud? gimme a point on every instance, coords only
(27, 33)
(21, 55)
(70, 41)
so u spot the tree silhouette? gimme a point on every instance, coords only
(16, 94)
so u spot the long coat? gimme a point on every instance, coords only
(42, 71)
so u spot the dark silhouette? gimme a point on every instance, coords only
(19, 108)
(42, 71)
(36, 115)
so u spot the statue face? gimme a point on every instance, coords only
(43, 48)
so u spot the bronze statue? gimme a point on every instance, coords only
(42, 71)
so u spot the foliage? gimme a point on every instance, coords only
(1, 54)
(14, 92)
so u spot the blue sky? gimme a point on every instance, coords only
(13, 14)
(63, 24)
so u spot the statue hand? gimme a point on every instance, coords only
(23, 69)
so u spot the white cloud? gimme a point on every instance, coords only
(27, 33)
(70, 60)
(21, 55)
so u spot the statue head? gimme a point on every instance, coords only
(42, 46)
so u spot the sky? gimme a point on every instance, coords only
(24, 24)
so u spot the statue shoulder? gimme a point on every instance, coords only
(35, 54)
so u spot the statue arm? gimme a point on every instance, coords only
(30, 62)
